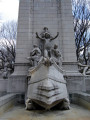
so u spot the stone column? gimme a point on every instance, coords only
(24, 38)
(69, 50)
(17, 80)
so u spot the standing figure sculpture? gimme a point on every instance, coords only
(35, 55)
(46, 38)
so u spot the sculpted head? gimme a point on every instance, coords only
(45, 28)
(55, 46)
(35, 46)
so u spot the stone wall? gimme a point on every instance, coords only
(16, 84)
(75, 84)
(87, 83)
(6, 102)
(3, 85)
(81, 98)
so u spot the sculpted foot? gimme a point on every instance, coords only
(66, 105)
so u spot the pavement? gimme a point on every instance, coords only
(19, 113)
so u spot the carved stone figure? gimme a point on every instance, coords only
(84, 69)
(56, 55)
(46, 39)
(35, 55)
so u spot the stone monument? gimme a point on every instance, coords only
(55, 16)
(46, 85)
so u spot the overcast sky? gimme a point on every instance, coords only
(8, 10)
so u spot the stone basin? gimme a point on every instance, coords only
(19, 113)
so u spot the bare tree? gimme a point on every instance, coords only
(7, 53)
(9, 30)
(81, 16)
(7, 44)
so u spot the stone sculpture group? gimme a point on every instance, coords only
(48, 51)
(46, 85)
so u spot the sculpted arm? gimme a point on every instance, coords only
(37, 36)
(55, 36)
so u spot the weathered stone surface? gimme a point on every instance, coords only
(35, 55)
(87, 83)
(3, 85)
(82, 99)
(75, 84)
(6, 102)
(47, 86)
(35, 15)
(75, 113)
(16, 84)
